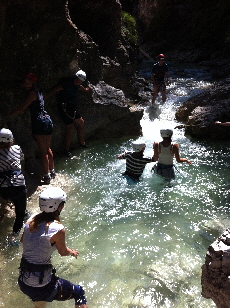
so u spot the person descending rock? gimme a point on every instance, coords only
(159, 72)
(43, 234)
(164, 153)
(12, 182)
(67, 100)
(42, 126)
(135, 162)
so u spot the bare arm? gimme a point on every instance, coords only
(59, 240)
(53, 91)
(167, 77)
(30, 98)
(177, 155)
(87, 89)
(155, 149)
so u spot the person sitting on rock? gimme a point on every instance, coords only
(67, 100)
(135, 162)
(222, 123)
(164, 153)
(12, 181)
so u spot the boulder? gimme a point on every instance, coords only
(200, 112)
(215, 278)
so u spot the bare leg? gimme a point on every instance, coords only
(50, 158)
(68, 135)
(43, 142)
(163, 93)
(81, 306)
(155, 93)
(80, 130)
(39, 304)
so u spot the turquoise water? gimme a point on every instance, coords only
(141, 244)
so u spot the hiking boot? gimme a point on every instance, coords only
(46, 179)
(52, 174)
(68, 153)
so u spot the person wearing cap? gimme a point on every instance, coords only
(135, 161)
(67, 102)
(12, 181)
(164, 152)
(159, 76)
(43, 234)
(42, 126)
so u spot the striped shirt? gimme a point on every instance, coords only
(135, 164)
(10, 160)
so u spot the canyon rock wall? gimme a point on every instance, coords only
(54, 40)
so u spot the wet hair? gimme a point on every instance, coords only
(43, 217)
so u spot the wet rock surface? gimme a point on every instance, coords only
(200, 112)
(216, 272)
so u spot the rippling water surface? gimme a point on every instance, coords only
(142, 244)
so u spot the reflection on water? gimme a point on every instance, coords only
(141, 244)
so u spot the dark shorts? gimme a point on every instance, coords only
(58, 289)
(166, 171)
(161, 86)
(42, 126)
(67, 116)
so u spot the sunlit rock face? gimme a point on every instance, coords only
(216, 272)
(200, 112)
(54, 40)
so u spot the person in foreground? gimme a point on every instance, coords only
(164, 152)
(43, 234)
(135, 161)
(67, 102)
(42, 126)
(159, 76)
(12, 181)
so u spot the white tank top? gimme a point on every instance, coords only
(38, 250)
(165, 154)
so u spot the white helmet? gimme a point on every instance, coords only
(81, 75)
(138, 146)
(50, 199)
(6, 135)
(166, 133)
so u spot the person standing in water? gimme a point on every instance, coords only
(12, 181)
(43, 234)
(42, 126)
(135, 161)
(67, 102)
(159, 76)
(164, 152)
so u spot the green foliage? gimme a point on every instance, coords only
(130, 27)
